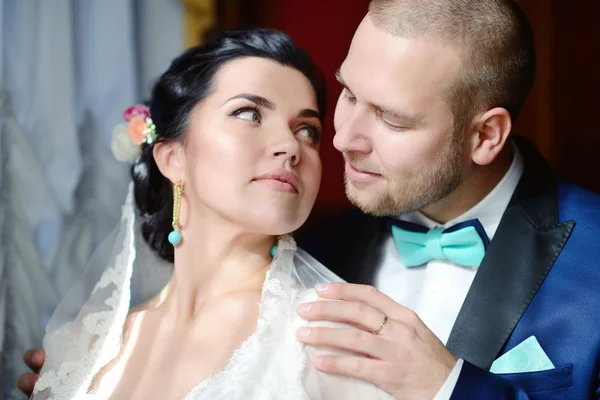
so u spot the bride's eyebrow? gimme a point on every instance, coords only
(258, 100)
(309, 113)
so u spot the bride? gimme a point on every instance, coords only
(202, 304)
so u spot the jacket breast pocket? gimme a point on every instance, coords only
(557, 378)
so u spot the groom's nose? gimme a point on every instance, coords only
(351, 130)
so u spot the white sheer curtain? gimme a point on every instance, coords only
(26, 292)
(68, 68)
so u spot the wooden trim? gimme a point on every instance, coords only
(247, 13)
(200, 18)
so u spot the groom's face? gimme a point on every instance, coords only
(393, 122)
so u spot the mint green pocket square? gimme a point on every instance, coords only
(528, 356)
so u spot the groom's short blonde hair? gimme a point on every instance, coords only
(494, 37)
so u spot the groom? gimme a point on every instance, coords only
(476, 247)
(511, 266)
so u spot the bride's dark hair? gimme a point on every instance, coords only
(188, 81)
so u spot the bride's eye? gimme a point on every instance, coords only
(247, 114)
(312, 132)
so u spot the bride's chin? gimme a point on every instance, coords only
(277, 227)
(274, 222)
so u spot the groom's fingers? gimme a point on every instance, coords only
(351, 339)
(358, 314)
(366, 294)
(34, 358)
(27, 382)
(370, 296)
(366, 369)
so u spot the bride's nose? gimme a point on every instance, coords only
(287, 148)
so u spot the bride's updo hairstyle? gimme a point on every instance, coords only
(188, 81)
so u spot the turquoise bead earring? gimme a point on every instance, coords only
(275, 246)
(175, 235)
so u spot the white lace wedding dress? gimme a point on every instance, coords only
(85, 333)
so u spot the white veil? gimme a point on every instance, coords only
(86, 329)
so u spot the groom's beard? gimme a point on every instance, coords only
(433, 183)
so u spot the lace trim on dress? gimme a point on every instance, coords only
(251, 356)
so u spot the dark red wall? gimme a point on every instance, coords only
(325, 28)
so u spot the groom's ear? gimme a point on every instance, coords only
(170, 159)
(489, 135)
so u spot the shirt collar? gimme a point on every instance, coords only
(490, 209)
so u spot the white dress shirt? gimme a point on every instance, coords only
(436, 291)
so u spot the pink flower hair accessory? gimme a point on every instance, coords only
(136, 110)
(129, 136)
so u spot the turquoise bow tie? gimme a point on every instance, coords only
(464, 243)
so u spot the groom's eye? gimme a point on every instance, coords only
(393, 125)
(349, 96)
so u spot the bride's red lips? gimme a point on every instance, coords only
(288, 181)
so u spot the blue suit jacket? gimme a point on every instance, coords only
(540, 276)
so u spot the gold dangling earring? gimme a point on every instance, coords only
(175, 235)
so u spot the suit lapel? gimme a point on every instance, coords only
(366, 265)
(349, 246)
(364, 250)
(522, 252)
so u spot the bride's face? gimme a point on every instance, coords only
(252, 149)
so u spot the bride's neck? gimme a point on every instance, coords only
(214, 260)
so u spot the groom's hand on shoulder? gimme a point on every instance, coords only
(394, 349)
(34, 358)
